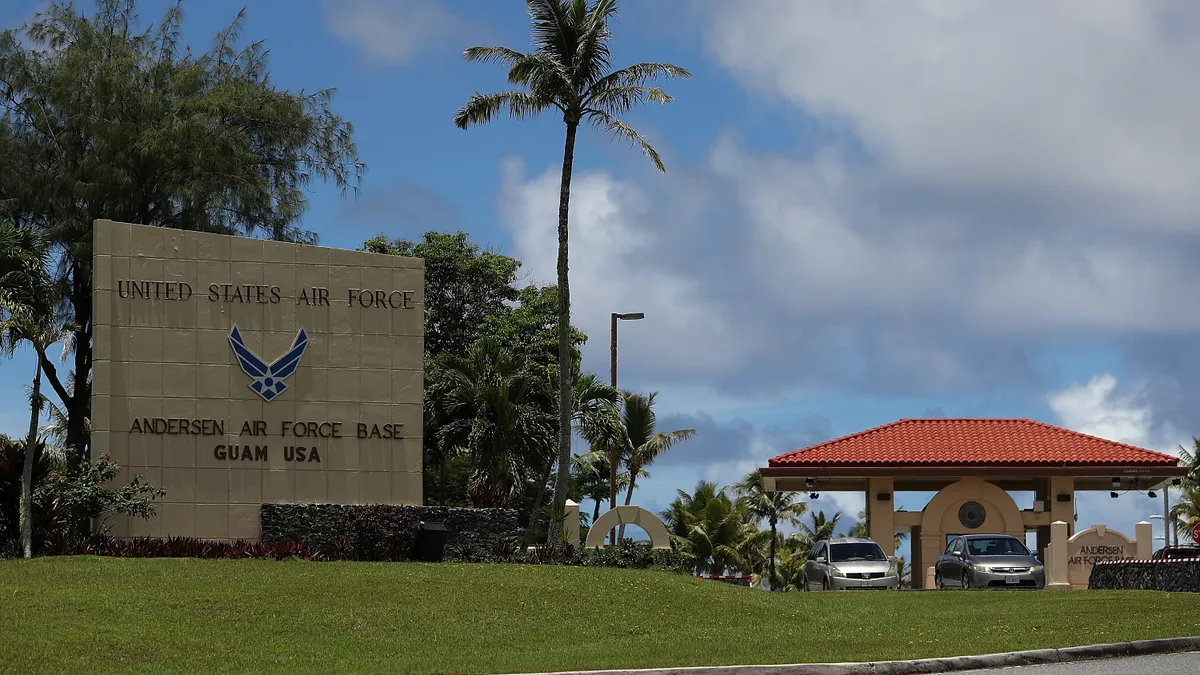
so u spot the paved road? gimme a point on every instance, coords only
(1163, 664)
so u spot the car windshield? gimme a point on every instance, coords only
(996, 546)
(855, 552)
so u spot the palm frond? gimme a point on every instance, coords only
(483, 108)
(502, 55)
(592, 55)
(551, 28)
(639, 74)
(616, 101)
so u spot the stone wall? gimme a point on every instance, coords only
(1176, 576)
(387, 532)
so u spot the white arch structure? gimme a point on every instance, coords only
(629, 515)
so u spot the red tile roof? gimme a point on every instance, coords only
(972, 442)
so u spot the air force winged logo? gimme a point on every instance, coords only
(267, 380)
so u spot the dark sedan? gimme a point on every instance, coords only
(988, 561)
(1176, 553)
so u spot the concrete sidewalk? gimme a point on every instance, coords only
(941, 665)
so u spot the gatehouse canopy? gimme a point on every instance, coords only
(927, 454)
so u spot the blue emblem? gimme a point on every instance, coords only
(268, 380)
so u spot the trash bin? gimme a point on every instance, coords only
(431, 541)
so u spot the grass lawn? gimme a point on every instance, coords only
(177, 615)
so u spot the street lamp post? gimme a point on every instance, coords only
(612, 469)
(632, 316)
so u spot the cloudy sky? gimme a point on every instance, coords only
(872, 210)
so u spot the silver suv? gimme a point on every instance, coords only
(849, 563)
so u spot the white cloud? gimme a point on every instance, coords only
(393, 32)
(1096, 408)
(1061, 97)
(612, 270)
(1100, 408)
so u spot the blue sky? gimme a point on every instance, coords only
(888, 210)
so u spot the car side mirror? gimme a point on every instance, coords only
(822, 559)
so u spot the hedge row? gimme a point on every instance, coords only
(388, 532)
(629, 554)
(1176, 576)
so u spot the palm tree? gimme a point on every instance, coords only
(26, 315)
(496, 401)
(817, 529)
(570, 71)
(710, 527)
(596, 414)
(903, 573)
(23, 279)
(591, 471)
(1185, 513)
(774, 507)
(644, 442)
(41, 332)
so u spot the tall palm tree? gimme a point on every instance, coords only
(645, 443)
(41, 332)
(27, 316)
(568, 70)
(774, 507)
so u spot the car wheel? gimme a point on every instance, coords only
(804, 585)
(825, 584)
(966, 581)
(938, 583)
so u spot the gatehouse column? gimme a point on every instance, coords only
(932, 545)
(1056, 567)
(881, 513)
(1144, 533)
(1060, 509)
(571, 524)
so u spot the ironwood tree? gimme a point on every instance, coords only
(102, 119)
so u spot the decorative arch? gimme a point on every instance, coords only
(1003, 516)
(629, 515)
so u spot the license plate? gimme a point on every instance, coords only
(864, 584)
(1012, 580)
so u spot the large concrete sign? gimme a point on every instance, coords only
(233, 371)
(1095, 544)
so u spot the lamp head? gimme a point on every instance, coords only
(632, 316)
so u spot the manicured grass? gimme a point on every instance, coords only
(177, 615)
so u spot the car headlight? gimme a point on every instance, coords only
(836, 572)
(1037, 568)
(892, 569)
(979, 568)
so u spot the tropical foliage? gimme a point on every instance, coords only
(1186, 511)
(569, 71)
(773, 507)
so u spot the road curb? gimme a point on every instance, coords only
(924, 666)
